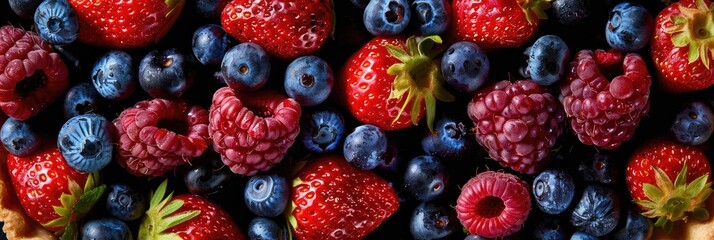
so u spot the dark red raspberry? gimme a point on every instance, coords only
(252, 130)
(517, 123)
(159, 135)
(605, 96)
(31, 75)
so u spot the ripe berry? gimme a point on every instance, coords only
(582, 236)
(308, 80)
(550, 227)
(553, 191)
(106, 228)
(322, 130)
(449, 140)
(206, 177)
(465, 66)
(210, 9)
(24, 8)
(125, 203)
(598, 211)
(426, 178)
(432, 221)
(571, 12)
(265, 229)
(113, 75)
(386, 17)
(547, 60)
(636, 226)
(629, 28)
(434, 16)
(18, 138)
(245, 67)
(56, 22)
(85, 142)
(81, 99)
(267, 195)
(599, 169)
(165, 74)
(365, 147)
(210, 42)
(694, 124)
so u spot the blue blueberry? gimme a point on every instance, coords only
(547, 60)
(322, 130)
(24, 8)
(637, 227)
(694, 124)
(210, 43)
(629, 28)
(106, 229)
(207, 177)
(553, 191)
(551, 228)
(475, 237)
(426, 178)
(85, 142)
(450, 140)
(267, 195)
(432, 221)
(125, 203)
(56, 22)
(434, 16)
(245, 66)
(81, 99)
(599, 169)
(165, 74)
(598, 211)
(113, 75)
(465, 66)
(210, 9)
(582, 236)
(386, 17)
(392, 158)
(265, 229)
(571, 12)
(18, 137)
(365, 147)
(308, 80)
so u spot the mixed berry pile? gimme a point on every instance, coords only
(362, 119)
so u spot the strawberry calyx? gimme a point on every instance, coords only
(535, 9)
(669, 202)
(75, 205)
(694, 27)
(162, 215)
(418, 76)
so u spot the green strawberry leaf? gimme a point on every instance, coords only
(88, 199)
(170, 208)
(681, 180)
(696, 186)
(177, 219)
(70, 232)
(701, 214)
(652, 192)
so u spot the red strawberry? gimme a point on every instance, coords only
(188, 217)
(51, 192)
(286, 29)
(389, 75)
(497, 23)
(668, 179)
(125, 24)
(681, 55)
(331, 199)
(494, 204)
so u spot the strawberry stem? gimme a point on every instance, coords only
(162, 215)
(694, 28)
(535, 9)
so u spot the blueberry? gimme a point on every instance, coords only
(56, 22)
(636, 227)
(432, 221)
(629, 28)
(85, 142)
(18, 138)
(365, 147)
(81, 99)
(210, 9)
(475, 237)
(245, 66)
(582, 236)
(553, 191)
(465, 66)
(210, 43)
(551, 228)
(433, 15)
(598, 169)
(426, 178)
(267, 195)
(125, 203)
(392, 158)
(571, 12)
(448, 141)
(207, 177)
(386, 17)
(322, 130)
(165, 74)
(265, 229)
(106, 229)
(547, 60)
(694, 124)
(308, 80)
(113, 75)
(24, 8)
(598, 211)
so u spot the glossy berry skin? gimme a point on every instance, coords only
(56, 22)
(210, 9)
(582, 236)
(547, 60)
(629, 28)
(113, 75)
(165, 74)
(265, 229)
(86, 142)
(24, 8)
(426, 178)
(267, 195)
(450, 139)
(81, 99)
(434, 16)
(432, 221)
(550, 227)
(125, 203)
(601, 168)
(206, 177)
(322, 130)
(308, 80)
(636, 227)
(571, 12)
(365, 147)
(386, 17)
(106, 228)
(553, 191)
(465, 66)
(694, 124)
(597, 212)
(210, 42)
(18, 138)
(245, 67)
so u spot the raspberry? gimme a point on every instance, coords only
(31, 75)
(517, 123)
(493, 204)
(605, 112)
(252, 130)
(159, 135)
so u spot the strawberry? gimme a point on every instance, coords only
(375, 79)
(331, 199)
(125, 24)
(668, 179)
(186, 216)
(286, 29)
(51, 192)
(496, 24)
(682, 46)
